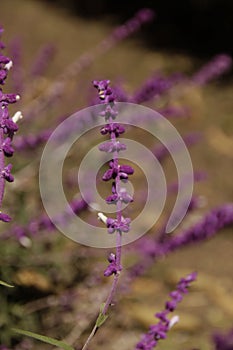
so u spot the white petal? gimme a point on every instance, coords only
(102, 217)
(173, 321)
(17, 116)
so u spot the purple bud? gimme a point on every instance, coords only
(162, 316)
(10, 126)
(110, 270)
(107, 175)
(176, 296)
(126, 169)
(171, 305)
(9, 98)
(7, 147)
(6, 173)
(5, 217)
(3, 75)
(4, 59)
(112, 199)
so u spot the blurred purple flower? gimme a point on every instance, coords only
(159, 330)
(219, 65)
(4, 217)
(42, 60)
(223, 341)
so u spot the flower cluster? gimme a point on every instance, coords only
(112, 267)
(154, 87)
(8, 127)
(160, 329)
(116, 172)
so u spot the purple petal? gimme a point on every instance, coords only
(5, 217)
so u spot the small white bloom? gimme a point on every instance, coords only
(25, 242)
(17, 97)
(8, 65)
(173, 321)
(102, 217)
(17, 116)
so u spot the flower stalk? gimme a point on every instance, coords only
(8, 127)
(117, 173)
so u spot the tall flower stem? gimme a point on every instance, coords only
(2, 163)
(116, 172)
(8, 127)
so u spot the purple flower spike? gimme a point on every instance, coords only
(44, 57)
(8, 127)
(219, 65)
(160, 330)
(116, 172)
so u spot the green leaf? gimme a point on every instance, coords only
(101, 319)
(44, 339)
(102, 307)
(2, 283)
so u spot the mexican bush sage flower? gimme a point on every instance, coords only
(8, 128)
(159, 330)
(116, 172)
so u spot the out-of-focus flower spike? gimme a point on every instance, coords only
(216, 67)
(159, 330)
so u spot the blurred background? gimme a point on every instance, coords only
(58, 283)
(197, 27)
